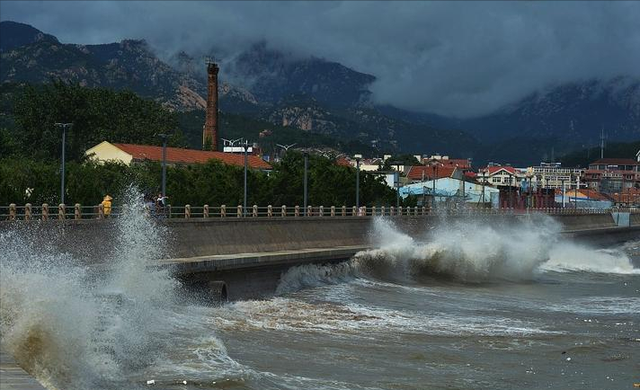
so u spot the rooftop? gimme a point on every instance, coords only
(418, 172)
(615, 161)
(190, 156)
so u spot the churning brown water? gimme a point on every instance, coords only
(467, 307)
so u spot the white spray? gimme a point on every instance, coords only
(75, 327)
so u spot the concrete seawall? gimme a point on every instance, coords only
(250, 254)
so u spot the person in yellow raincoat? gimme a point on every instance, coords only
(106, 205)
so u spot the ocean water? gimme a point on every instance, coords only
(467, 306)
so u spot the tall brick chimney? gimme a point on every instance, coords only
(210, 129)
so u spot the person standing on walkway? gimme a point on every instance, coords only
(106, 206)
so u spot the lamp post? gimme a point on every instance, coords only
(562, 182)
(305, 181)
(164, 163)
(358, 183)
(286, 147)
(244, 203)
(64, 127)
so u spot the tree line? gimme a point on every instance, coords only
(213, 183)
(30, 149)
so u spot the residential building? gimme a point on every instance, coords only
(451, 190)
(419, 173)
(131, 154)
(500, 176)
(615, 164)
(610, 175)
(584, 198)
(629, 197)
(461, 163)
(553, 175)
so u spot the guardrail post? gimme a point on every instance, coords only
(27, 211)
(269, 211)
(309, 211)
(392, 211)
(100, 211)
(382, 210)
(333, 211)
(12, 212)
(223, 210)
(61, 211)
(254, 213)
(187, 211)
(239, 211)
(283, 211)
(321, 211)
(77, 212)
(399, 211)
(354, 211)
(424, 210)
(169, 211)
(45, 211)
(344, 211)
(296, 211)
(205, 211)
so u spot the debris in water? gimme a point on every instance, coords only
(151, 382)
(568, 359)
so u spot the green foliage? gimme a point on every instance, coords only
(212, 183)
(402, 159)
(97, 115)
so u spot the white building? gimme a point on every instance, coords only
(500, 176)
(553, 175)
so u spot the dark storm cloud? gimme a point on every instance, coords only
(453, 58)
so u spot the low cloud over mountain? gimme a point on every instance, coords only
(458, 58)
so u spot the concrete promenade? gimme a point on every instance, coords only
(12, 377)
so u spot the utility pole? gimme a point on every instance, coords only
(306, 168)
(64, 127)
(602, 138)
(397, 164)
(164, 163)
(358, 183)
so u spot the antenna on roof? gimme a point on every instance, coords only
(603, 137)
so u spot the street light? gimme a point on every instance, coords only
(244, 208)
(306, 168)
(286, 147)
(358, 183)
(64, 136)
(164, 163)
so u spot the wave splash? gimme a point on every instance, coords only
(79, 326)
(472, 251)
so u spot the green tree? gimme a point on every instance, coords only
(97, 115)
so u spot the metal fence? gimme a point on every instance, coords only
(78, 212)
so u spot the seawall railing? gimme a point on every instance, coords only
(61, 212)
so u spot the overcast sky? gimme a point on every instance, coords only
(453, 58)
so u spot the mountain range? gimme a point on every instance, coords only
(321, 96)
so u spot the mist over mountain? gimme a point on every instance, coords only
(320, 96)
